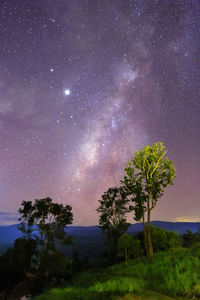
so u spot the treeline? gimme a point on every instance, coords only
(34, 261)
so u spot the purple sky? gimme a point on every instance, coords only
(83, 85)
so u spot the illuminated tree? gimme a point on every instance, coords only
(147, 175)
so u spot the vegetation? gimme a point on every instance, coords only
(174, 273)
(16, 262)
(113, 207)
(125, 243)
(35, 262)
(191, 239)
(47, 218)
(147, 174)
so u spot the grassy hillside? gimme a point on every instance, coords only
(166, 276)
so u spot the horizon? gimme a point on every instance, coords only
(96, 225)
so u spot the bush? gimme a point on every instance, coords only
(163, 240)
(189, 238)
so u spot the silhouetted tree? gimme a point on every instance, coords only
(147, 174)
(16, 262)
(58, 265)
(113, 207)
(46, 218)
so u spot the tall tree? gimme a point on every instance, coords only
(46, 218)
(113, 207)
(147, 175)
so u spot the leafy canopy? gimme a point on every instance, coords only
(147, 174)
(125, 241)
(113, 209)
(45, 217)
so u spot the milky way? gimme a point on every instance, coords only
(83, 85)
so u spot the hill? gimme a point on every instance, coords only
(88, 240)
(161, 277)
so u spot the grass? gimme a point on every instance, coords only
(167, 275)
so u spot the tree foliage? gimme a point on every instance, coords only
(113, 207)
(147, 175)
(190, 238)
(125, 243)
(15, 262)
(46, 218)
(136, 250)
(163, 239)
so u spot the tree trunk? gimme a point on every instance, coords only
(148, 233)
(126, 256)
(145, 234)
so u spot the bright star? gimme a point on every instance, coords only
(67, 92)
(51, 70)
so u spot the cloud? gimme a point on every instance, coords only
(7, 218)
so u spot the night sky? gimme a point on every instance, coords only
(86, 83)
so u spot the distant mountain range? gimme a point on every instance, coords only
(89, 240)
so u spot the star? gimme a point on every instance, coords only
(67, 92)
(99, 82)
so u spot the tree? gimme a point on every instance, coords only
(46, 218)
(15, 262)
(22, 252)
(112, 220)
(163, 239)
(136, 250)
(125, 243)
(189, 238)
(147, 175)
(58, 265)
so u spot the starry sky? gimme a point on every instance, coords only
(86, 83)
